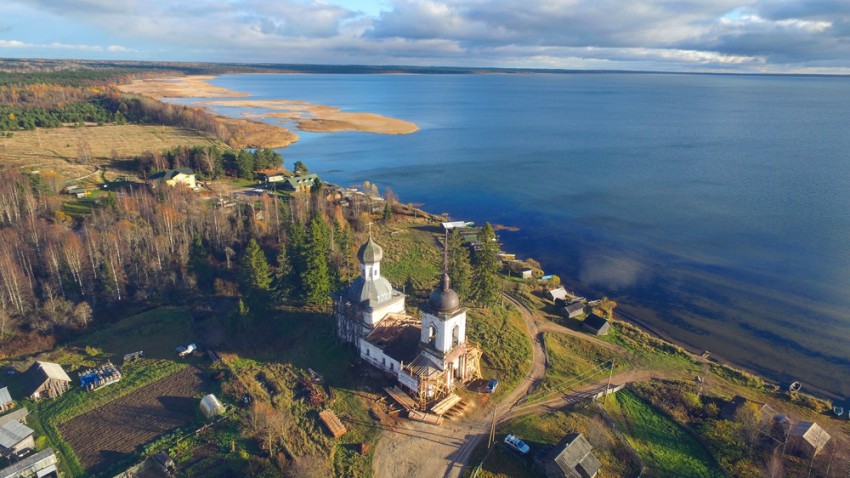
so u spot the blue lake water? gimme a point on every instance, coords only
(715, 209)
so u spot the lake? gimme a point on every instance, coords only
(714, 209)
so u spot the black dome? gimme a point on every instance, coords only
(444, 299)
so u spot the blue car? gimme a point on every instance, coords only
(491, 385)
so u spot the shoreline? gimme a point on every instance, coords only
(307, 117)
(294, 110)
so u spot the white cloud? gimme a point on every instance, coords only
(731, 35)
(61, 46)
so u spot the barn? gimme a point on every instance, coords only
(47, 380)
(596, 325)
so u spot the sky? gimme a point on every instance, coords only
(773, 36)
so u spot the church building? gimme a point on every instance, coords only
(428, 356)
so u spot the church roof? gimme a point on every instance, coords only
(374, 291)
(370, 252)
(444, 299)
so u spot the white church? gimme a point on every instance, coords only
(429, 356)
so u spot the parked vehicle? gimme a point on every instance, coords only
(516, 444)
(491, 385)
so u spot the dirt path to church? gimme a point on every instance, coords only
(420, 450)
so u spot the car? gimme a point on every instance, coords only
(516, 444)
(491, 385)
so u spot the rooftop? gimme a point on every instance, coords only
(398, 336)
(13, 433)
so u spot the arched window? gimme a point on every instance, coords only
(367, 352)
(432, 335)
(455, 335)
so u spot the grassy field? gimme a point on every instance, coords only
(666, 449)
(548, 429)
(501, 334)
(58, 149)
(411, 253)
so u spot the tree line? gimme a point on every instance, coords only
(142, 247)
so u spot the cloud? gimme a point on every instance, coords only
(61, 46)
(717, 35)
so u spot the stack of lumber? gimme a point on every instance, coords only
(333, 424)
(446, 404)
(402, 398)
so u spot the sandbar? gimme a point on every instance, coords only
(321, 118)
(306, 116)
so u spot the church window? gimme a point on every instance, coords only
(367, 352)
(455, 335)
(432, 335)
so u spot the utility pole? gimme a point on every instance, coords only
(492, 429)
(608, 386)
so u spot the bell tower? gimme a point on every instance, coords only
(443, 335)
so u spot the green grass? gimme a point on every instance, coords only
(572, 362)
(666, 449)
(79, 207)
(501, 334)
(544, 429)
(157, 332)
(411, 253)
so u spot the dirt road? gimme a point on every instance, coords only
(421, 450)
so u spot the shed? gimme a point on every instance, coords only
(573, 458)
(15, 437)
(41, 465)
(573, 310)
(526, 273)
(6, 402)
(559, 293)
(47, 380)
(808, 438)
(596, 325)
(211, 406)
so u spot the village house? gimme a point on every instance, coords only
(596, 325)
(6, 402)
(526, 273)
(47, 380)
(573, 458)
(429, 357)
(15, 438)
(173, 177)
(41, 465)
(275, 175)
(573, 310)
(302, 183)
(807, 438)
(558, 293)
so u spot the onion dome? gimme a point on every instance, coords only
(370, 253)
(444, 299)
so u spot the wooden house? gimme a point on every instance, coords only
(15, 437)
(526, 273)
(573, 458)
(596, 325)
(41, 465)
(173, 177)
(807, 438)
(47, 380)
(573, 310)
(302, 183)
(559, 293)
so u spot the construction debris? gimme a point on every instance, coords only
(93, 379)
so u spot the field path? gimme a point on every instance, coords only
(420, 450)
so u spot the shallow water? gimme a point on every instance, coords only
(717, 203)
